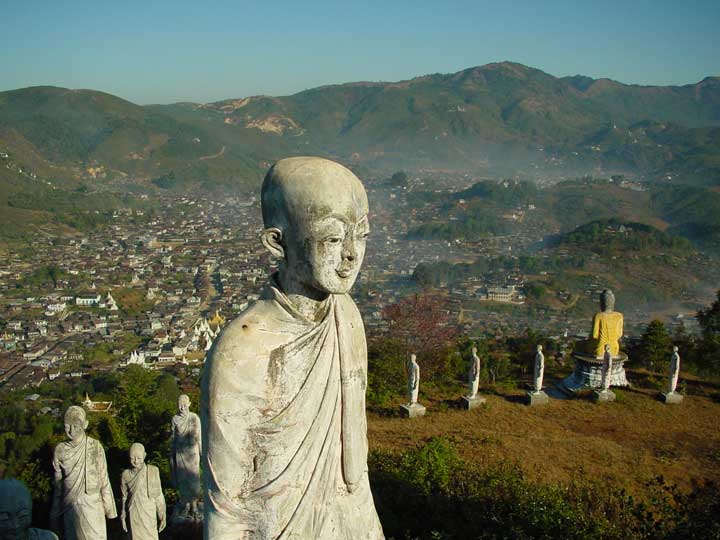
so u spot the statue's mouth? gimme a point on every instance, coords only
(344, 272)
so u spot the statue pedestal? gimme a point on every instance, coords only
(412, 410)
(473, 402)
(603, 396)
(672, 398)
(587, 374)
(537, 398)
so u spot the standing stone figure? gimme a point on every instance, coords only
(142, 497)
(185, 460)
(16, 513)
(473, 375)
(537, 396)
(605, 394)
(82, 494)
(413, 371)
(539, 369)
(671, 396)
(283, 397)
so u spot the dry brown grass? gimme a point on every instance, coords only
(625, 443)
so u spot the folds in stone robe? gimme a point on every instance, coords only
(285, 428)
(83, 495)
(143, 498)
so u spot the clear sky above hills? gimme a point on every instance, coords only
(162, 51)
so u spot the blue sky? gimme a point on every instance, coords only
(162, 51)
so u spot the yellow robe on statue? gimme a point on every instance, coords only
(284, 426)
(607, 329)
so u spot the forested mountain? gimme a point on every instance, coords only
(497, 119)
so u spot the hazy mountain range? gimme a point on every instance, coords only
(497, 119)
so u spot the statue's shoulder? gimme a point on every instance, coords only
(126, 474)
(41, 534)
(347, 304)
(254, 334)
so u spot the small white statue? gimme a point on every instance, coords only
(539, 370)
(413, 370)
(674, 370)
(142, 498)
(185, 459)
(473, 375)
(607, 368)
(16, 513)
(82, 495)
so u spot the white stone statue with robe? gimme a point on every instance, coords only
(671, 396)
(283, 397)
(82, 495)
(473, 374)
(413, 373)
(186, 443)
(143, 511)
(537, 395)
(605, 394)
(16, 513)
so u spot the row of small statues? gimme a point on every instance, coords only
(83, 497)
(537, 395)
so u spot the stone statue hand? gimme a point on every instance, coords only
(163, 522)
(351, 487)
(124, 523)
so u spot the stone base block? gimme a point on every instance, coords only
(414, 410)
(603, 396)
(587, 374)
(537, 398)
(472, 403)
(672, 398)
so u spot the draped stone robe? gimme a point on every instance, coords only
(82, 495)
(143, 498)
(185, 459)
(285, 429)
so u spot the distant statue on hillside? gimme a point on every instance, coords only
(185, 460)
(539, 369)
(671, 396)
(674, 369)
(82, 495)
(607, 328)
(143, 511)
(473, 374)
(413, 371)
(16, 513)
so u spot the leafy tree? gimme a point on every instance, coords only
(709, 354)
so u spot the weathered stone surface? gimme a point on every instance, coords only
(283, 397)
(537, 398)
(472, 403)
(672, 398)
(412, 410)
(413, 371)
(142, 511)
(82, 495)
(674, 370)
(16, 513)
(603, 396)
(587, 373)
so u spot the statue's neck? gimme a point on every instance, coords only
(309, 302)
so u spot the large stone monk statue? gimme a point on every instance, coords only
(82, 496)
(283, 407)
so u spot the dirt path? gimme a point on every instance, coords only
(214, 156)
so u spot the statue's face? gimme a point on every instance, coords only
(137, 457)
(183, 405)
(15, 517)
(75, 429)
(327, 252)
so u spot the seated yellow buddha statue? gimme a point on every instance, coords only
(607, 327)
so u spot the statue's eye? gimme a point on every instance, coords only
(333, 240)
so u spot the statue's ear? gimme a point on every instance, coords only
(272, 239)
(87, 423)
